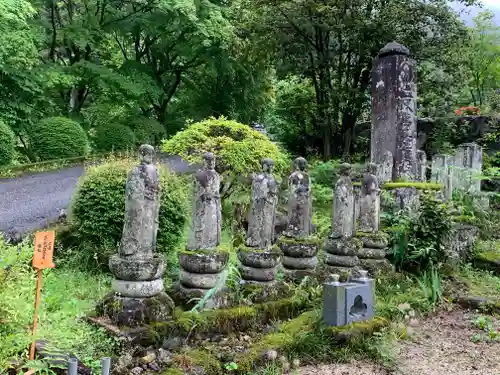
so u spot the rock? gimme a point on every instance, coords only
(172, 343)
(136, 371)
(125, 360)
(270, 355)
(154, 366)
(285, 367)
(404, 307)
(283, 359)
(148, 358)
(296, 363)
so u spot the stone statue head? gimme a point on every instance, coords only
(267, 165)
(372, 168)
(209, 159)
(147, 153)
(345, 169)
(300, 164)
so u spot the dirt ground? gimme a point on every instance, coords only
(441, 345)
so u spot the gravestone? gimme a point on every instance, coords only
(468, 163)
(202, 264)
(348, 302)
(137, 288)
(441, 173)
(258, 257)
(394, 120)
(298, 245)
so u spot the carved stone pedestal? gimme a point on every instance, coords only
(137, 295)
(341, 256)
(373, 251)
(258, 266)
(200, 271)
(299, 256)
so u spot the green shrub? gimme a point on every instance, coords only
(327, 173)
(58, 138)
(7, 144)
(114, 137)
(98, 206)
(147, 130)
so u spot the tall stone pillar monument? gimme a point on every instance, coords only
(394, 118)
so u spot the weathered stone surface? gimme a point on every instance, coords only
(142, 203)
(299, 263)
(370, 253)
(394, 121)
(138, 295)
(341, 260)
(137, 269)
(203, 262)
(220, 299)
(421, 166)
(137, 289)
(206, 217)
(136, 311)
(258, 274)
(198, 280)
(343, 205)
(369, 211)
(468, 163)
(441, 172)
(459, 246)
(263, 208)
(374, 266)
(386, 167)
(258, 258)
(342, 246)
(299, 201)
(291, 274)
(377, 240)
(298, 249)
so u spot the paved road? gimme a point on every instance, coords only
(30, 202)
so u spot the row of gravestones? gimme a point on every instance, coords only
(138, 290)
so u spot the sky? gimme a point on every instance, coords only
(493, 5)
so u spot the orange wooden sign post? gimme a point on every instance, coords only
(42, 258)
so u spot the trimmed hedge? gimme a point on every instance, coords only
(7, 144)
(58, 138)
(98, 206)
(114, 137)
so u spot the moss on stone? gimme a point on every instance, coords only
(411, 184)
(173, 371)
(230, 320)
(196, 359)
(464, 219)
(273, 249)
(309, 240)
(356, 330)
(376, 236)
(218, 249)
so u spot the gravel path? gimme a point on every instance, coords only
(32, 201)
(441, 345)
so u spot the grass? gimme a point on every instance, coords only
(480, 283)
(67, 295)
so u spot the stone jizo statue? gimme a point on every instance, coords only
(300, 201)
(343, 205)
(263, 207)
(369, 215)
(142, 205)
(206, 216)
